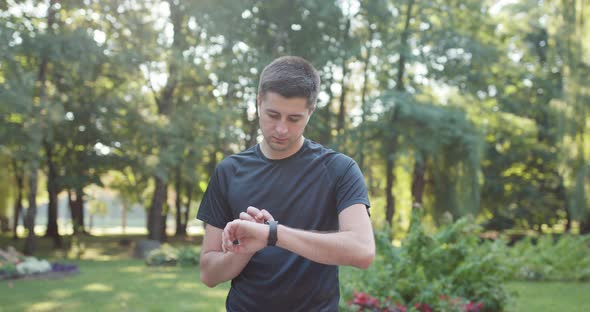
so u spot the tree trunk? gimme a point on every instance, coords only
(123, 217)
(390, 177)
(52, 191)
(189, 192)
(18, 203)
(80, 207)
(390, 149)
(341, 122)
(392, 137)
(165, 211)
(418, 180)
(76, 203)
(400, 86)
(568, 222)
(30, 242)
(73, 212)
(585, 226)
(155, 220)
(364, 101)
(178, 203)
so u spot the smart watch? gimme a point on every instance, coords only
(272, 232)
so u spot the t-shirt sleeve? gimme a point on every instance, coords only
(350, 187)
(214, 208)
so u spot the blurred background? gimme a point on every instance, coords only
(114, 113)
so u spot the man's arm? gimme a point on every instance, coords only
(217, 266)
(352, 245)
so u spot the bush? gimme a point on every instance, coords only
(163, 256)
(8, 270)
(449, 271)
(188, 256)
(167, 255)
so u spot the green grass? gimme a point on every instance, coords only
(116, 285)
(111, 281)
(551, 296)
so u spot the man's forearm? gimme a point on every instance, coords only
(338, 248)
(217, 266)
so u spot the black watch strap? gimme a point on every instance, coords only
(272, 232)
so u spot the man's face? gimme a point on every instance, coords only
(282, 121)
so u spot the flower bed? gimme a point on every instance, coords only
(449, 271)
(13, 265)
(365, 302)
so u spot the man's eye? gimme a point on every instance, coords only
(294, 119)
(273, 116)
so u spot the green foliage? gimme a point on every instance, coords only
(552, 258)
(158, 87)
(188, 256)
(168, 255)
(163, 256)
(8, 270)
(426, 268)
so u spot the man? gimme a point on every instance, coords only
(282, 215)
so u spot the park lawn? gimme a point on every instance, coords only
(129, 285)
(551, 296)
(115, 285)
(110, 280)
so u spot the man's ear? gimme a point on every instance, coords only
(258, 105)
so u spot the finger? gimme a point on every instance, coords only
(257, 214)
(247, 217)
(267, 215)
(253, 211)
(231, 231)
(228, 236)
(223, 242)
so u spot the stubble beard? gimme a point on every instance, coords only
(280, 148)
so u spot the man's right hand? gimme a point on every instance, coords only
(254, 214)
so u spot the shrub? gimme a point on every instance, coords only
(429, 269)
(167, 255)
(163, 256)
(188, 256)
(8, 270)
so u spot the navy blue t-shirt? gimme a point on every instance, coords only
(304, 191)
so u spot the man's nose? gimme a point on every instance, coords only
(281, 127)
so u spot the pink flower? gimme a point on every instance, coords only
(423, 307)
(373, 302)
(472, 307)
(360, 298)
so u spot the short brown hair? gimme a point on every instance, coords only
(291, 76)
